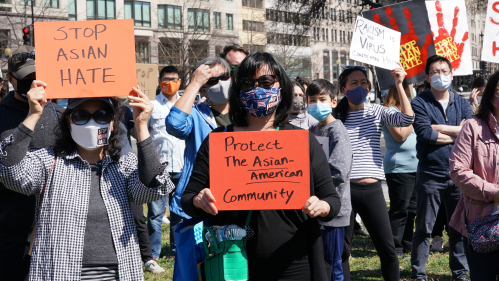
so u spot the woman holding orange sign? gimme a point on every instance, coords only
(287, 244)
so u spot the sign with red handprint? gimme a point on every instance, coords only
(451, 16)
(416, 42)
(490, 50)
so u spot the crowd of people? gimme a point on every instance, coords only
(72, 190)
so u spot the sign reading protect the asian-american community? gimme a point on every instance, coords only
(375, 44)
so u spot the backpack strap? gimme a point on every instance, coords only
(248, 218)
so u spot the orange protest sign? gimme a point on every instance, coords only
(80, 59)
(260, 170)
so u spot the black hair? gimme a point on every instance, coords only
(168, 69)
(321, 87)
(233, 47)
(486, 106)
(436, 58)
(479, 82)
(249, 68)
(65, 145)
(297, 84)
(341, 111)
(303, 81)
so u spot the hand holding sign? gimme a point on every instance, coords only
(399, 74)
(142, 108)
(375, 44)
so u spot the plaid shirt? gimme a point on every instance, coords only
(58, 246)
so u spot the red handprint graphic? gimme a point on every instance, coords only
(445, 44)
(413, 56)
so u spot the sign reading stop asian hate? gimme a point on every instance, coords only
(79, 59)
(147, 79)
(260, 170)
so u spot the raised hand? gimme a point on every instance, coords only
(142, 108)
(445, 44)
(413, 55)
(36, 101)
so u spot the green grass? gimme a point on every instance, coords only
(364, 263)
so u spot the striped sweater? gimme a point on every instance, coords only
(364, 129)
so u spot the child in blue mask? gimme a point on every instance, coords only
(321, 100)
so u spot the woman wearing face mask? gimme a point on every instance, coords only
(85, 227)
(477, 89)
(299, 117)
(473, 167)
(400, 166)
(287, 243)
(364, 123)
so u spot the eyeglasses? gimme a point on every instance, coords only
(81, 116)
(264, 81)
(168, 79)
(360, 67)
(214, 80)
(447, 72)
(23, 57)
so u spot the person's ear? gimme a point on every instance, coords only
(343, 90)
(112, 125)
(428, 79)
(334, 103)
(451, 76)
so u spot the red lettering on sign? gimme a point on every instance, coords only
(494, 7)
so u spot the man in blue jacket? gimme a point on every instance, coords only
(439, 117)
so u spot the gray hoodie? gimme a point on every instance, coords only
(340, 165)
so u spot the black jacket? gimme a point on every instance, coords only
(17, 211)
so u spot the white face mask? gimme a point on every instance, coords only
(219, 93)
(91, 135)
(441, 82)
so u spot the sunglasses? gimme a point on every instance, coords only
(214, 80)
(81, 116)
(23, 57)
(264, 81)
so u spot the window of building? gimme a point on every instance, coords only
(142, 52)
(333, 14)
(218, 50)
(323, 35)
(72, 9)
(52, 4)
(341, 15)
(4, 41)
(199, 20)
(169, 52)
(101, 9)
(217, 21)
(26, 3)
(334, 58)
(230, 21)
(254, 48)
(5, 9)
(252, 26)
(327, 34)
(5, 2)
(139, 11)
(198, 50)
(170, 17)
(253, 3)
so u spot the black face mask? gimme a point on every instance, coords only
(23, 87)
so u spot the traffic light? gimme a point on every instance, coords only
(27, 35)
(483, 65)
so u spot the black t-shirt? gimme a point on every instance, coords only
(222, 120)
(287, 244)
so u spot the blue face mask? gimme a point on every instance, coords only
(320, 111)
(260, 102)
(357, 96)
(441, 82)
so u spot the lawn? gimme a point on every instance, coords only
(364, 264)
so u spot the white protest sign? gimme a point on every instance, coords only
(324, 141)
(490, 49)
(375, 44)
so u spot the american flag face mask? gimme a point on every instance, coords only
(260, 102)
